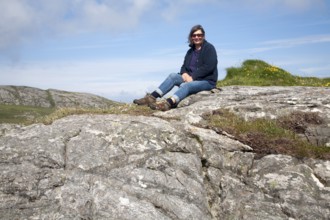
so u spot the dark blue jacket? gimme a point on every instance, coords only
(206, 64)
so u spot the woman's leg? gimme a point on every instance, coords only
(174, 79)
(189, 88)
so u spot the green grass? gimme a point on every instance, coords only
(267, 136)
(259, 73)
(25, 115)
(22, 114)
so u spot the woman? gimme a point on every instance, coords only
(198, 73)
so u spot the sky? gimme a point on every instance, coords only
(121, 49)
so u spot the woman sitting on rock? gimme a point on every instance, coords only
(198, 73)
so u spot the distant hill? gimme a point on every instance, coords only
(51, 98)
(260, 73)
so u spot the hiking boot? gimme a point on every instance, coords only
(161, 105)
(146, 100)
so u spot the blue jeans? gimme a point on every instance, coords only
(185, 88)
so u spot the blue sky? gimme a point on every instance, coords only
(123, 49)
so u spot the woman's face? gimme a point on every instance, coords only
(197, 38)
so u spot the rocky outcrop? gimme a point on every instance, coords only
(29, 96)
(163, 167)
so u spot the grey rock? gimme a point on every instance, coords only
(29, 96)
(21, 95)
(252, 102)
(163, 167)
(105, 167)
(294, 185)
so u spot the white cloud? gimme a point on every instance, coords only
(279, 44)
(171, 9)
(112, 14)
(22, 21)
(301, 4)
(291, 5)
(15, 23)
(321, 71)
(292, 42)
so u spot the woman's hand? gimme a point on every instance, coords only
(186, 77)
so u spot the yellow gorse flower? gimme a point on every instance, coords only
(327, 84)
(272, 69)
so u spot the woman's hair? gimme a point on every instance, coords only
(193, 30)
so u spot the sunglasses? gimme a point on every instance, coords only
(197, 35)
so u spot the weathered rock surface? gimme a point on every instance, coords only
(29, 96)
(162, 167)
